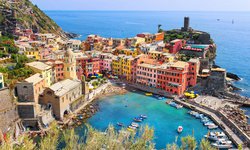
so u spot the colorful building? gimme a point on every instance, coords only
(44, 69)
(33, 53)
(175, 46)
(172, 77)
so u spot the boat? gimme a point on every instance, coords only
(215, 136)
(208, 123)
(179, 106)
(137, 119)
(161, 98)
(168, 101)
(156, 96)
(129, 129)
(205, 120)
(179, 129)
(143, 116)
(132, 127)
(134, 124)
(148, 94)
(223, 144)
(212, 126)
(120, 124)
(193, 113)
(199, 116)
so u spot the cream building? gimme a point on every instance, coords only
(61, 96)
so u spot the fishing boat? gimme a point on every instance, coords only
(120, 124)
(212, 127)
(148, 94)
(208, 123)
(143, 116)
(132, 127)
(179, 129)
(223, 144)
(137, 119)
(134, 124)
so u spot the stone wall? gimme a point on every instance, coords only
(8, 112)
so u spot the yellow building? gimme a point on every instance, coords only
(139, 40)
(117, 65)
(33, 53)
(127, 67)
(130, 52)
(44, 69)
(155, 54)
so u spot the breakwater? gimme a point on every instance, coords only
(232, 131)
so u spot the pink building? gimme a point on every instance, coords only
(105, 62)
(175, 46)
(57, 67)
(146, 71)
(45, 53)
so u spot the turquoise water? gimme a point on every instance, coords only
(162, 117)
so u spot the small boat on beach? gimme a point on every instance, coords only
(137, 119)
(179, 129)
(134, 124)
(223, 144)
(120, 124)
(143, 116)
(148, 94)
(173, 104)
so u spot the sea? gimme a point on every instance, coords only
(229, 30)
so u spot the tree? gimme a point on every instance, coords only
(188, 143)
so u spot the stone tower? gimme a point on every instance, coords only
(186, 24)
(69, 65)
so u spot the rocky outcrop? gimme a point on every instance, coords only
(233, 76)
(25, 15)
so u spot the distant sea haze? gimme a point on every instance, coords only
(230, 31)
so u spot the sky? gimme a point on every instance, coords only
(160, 5)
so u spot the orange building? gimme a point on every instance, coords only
(159, 36)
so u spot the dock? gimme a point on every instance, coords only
(236, 138)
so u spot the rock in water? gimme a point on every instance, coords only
(233, 76)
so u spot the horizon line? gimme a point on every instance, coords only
(152, 10)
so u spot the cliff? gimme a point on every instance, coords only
(25, 15)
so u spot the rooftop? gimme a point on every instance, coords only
(61, 88)
(39, 65)
(34, 79)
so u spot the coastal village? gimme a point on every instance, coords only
(64, 76)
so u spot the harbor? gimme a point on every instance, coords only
(126, 110)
